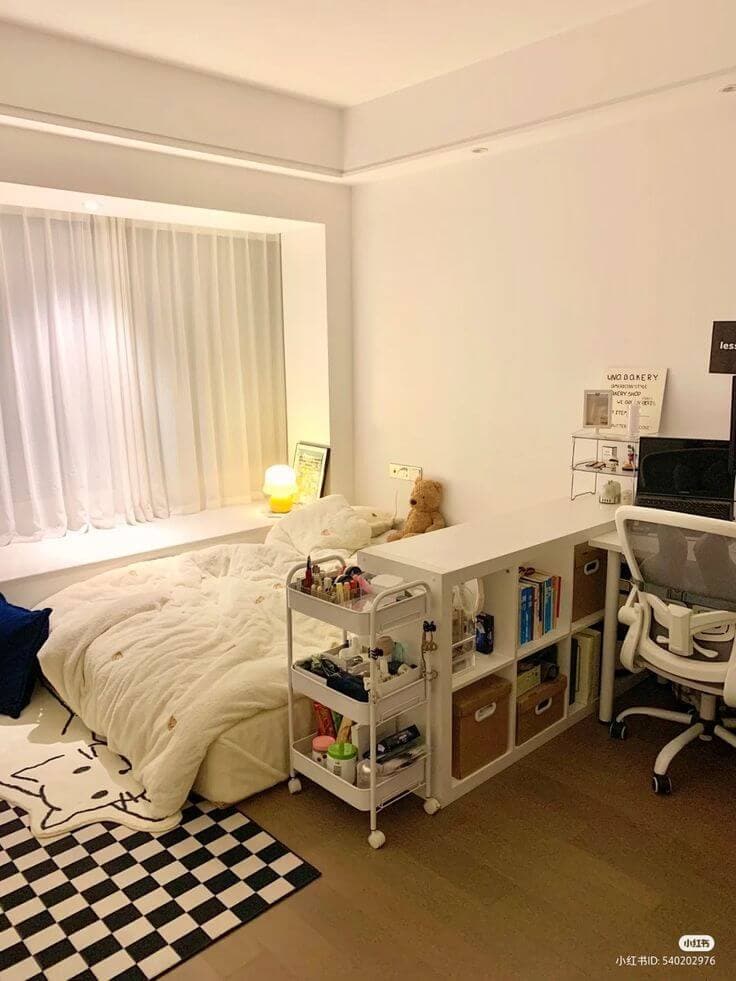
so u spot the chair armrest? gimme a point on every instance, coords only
(729, 685)
(631, 614)
(627, 614)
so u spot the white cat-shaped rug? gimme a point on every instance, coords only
(65, 777)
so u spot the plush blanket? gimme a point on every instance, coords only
(161, 657)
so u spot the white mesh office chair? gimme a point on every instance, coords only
(681, 616)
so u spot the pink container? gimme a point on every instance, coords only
(320, 745)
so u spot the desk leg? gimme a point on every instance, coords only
(610, 628)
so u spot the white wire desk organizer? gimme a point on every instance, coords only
(587, 446)
(368, 615)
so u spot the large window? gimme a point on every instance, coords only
(141, 370)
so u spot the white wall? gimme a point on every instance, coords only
(304, 289)
(489, 294)
(49, 160)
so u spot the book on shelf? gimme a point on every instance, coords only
(585, 666)
(539, 604)
(572, 686)
(526, 613)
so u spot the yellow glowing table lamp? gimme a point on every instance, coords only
(280, 486)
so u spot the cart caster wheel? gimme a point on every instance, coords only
(617, 730)
(295, 785)
(376, 839)
(661, 785)
(431, 805)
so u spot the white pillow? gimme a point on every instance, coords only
(380, 521)
(328, 523)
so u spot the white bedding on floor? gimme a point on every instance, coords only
(163, 657)
(253, 755)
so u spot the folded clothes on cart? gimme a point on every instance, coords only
(336, 677)
(348, 684)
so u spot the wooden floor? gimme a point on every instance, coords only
(551, 870)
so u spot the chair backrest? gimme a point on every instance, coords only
(685, 558)
(684, 569)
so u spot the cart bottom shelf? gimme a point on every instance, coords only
(402, 782)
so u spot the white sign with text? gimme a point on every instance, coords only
(642, 385)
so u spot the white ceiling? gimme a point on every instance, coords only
(339, 51)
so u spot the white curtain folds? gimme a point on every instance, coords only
(141, 370)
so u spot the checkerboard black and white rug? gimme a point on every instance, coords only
(106, 902)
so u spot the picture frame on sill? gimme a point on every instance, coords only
(597, 408)
(310, 467)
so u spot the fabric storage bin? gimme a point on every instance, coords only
(589, 581)
(540, 708)
(480, 724)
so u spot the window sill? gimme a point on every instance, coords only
(23, 560)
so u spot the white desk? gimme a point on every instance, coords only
(611, 543)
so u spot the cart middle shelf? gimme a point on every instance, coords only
(393, 697)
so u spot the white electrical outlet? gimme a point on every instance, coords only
(402, 471)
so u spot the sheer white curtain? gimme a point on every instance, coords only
(141, 370)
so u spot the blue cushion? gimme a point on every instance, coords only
(22, 634)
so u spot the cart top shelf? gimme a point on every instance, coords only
(378, 612)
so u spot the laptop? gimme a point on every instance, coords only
(688, 475)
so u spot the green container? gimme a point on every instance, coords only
(342, 760)
(342, 751)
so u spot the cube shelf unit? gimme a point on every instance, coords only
(493, 552)
(396, 699)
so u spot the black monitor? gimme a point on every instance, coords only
(690, 475)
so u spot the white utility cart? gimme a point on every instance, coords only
(388, 700)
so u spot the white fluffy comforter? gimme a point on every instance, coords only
(162, 657)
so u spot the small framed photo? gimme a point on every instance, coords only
(310, 467)
(597, 409)
(609, 452)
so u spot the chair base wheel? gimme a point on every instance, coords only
(617, 730)
(376, 839)
(295, 785)
(431, 805)
(661, 785)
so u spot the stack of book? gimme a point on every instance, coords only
(539, 604)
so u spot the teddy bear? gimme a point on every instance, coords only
(424, 513)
